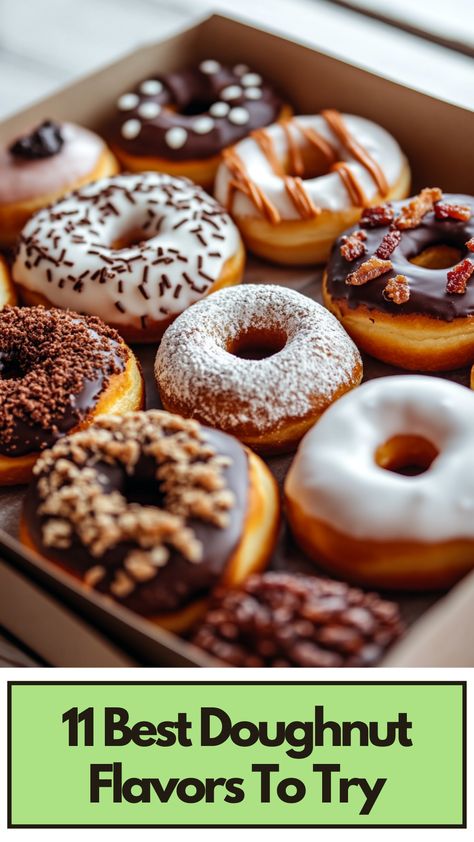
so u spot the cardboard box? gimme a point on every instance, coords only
(437, 138)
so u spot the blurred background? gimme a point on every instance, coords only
(428, 44)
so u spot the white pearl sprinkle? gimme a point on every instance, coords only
(251, 79)
(203, 125)
(176, 137)
(240, 69)
(209, 66)
(151, 87)
(150, 110)
(231, 92)
(239, 116)
(131, 129)
(219, 109)
(253, 93)
(127, 102)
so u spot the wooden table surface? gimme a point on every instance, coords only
(45, 44)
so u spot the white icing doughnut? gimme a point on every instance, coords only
(194, 366)
(326, 192)
(335, 478)
(66, 252)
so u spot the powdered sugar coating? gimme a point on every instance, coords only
(194, 367)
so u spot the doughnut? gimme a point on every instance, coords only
(39, 167)
(292, 620)
(180, 122)
(153, 511)
(381, 490)
(295, 186)
(260, 362)
(135, 250)
(58, 372)
(7, 290)
(401, 283)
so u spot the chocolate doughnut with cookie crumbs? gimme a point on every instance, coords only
(153, 511)
(135, 250)
(180, 122)
(58, 372)
(292, 620)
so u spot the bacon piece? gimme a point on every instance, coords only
(470, 244)
(388, 244)
(412, 214)
(353, 245)
(450, 210)
(397, 289)
(367, 271)
(458, 277)
(376, 217)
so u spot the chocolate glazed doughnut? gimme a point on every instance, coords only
(154, 511)
(180, 122)
(401, 283)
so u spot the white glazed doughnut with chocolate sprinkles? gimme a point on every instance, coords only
(153, 511)
(135, 250)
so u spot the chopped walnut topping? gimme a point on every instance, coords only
(353, 245)
(470, 244)
(458, 277)
(412, 214)
(367, 271)
(389, 243)
(75, 499)
(376, 217)
(450, 210)
(397, 289)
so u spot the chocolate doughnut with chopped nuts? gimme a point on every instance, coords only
(154, 511)
(58, 372)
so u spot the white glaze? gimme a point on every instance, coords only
(334, 476)
(327, 191)
(205, 240)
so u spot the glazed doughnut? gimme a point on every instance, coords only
(153, 511)
(401, 284)
(7, 290)
(293, 187)
(381, 490)
(135, 250)
(37, 168)
(180, 122)
(209, 365)
(58, 372)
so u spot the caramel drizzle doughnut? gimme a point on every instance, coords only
(318, 141)
(241, 181)
(338, 127)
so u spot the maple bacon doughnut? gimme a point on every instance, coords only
(295, 186)
(381, 490)
(260, 362)
(180, 122)
(402, 283)
(58, 372)
(39, 167)
(134, 250)
(154, 512)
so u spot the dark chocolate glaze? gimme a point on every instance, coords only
(179, 581)
(43, 142)
(428, 294)
(186, 95)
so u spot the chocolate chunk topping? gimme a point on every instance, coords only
(43, 142)
(283, 620)
(54, 366)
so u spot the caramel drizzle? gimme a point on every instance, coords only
(339, 128)
(317, 140)
(240, 180)
(293, 184)
(351, 183)
(267, 146)
(296, 158)
(300, 198)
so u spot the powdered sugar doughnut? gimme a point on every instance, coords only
(382, 488)
(135, 250)
(210, 367)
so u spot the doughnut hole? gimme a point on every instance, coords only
(258, 344)
(438, 256)
(406, 455)
(314, 163)
(11, 368)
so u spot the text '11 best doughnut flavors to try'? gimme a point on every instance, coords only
(209, 277)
